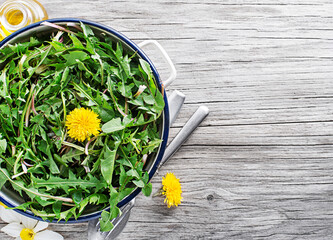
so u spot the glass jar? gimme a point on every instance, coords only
(16, 14)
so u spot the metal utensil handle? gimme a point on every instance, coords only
(186, 131)
(176, 101)
(171, 66)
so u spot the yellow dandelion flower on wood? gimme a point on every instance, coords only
(172, 190)
(82, 123)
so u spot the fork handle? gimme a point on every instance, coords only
(201, 113)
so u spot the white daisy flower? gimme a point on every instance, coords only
(24, 228)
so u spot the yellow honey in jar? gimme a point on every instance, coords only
(16, 14)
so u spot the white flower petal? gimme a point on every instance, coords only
(28, 222)
(47, 234)
(10, 216)
(40, 226)
(24, 167)
(13, 229)
(17, 175)
(142, 88)
(18, 238)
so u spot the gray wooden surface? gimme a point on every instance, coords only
(261, 165)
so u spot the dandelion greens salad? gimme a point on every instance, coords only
(79, 118)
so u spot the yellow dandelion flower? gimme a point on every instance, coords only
(82, 123)
(172, 190)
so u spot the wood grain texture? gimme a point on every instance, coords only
(260, 166)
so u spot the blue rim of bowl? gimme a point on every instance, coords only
(165, 130)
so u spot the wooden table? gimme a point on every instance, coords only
(260, 166)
